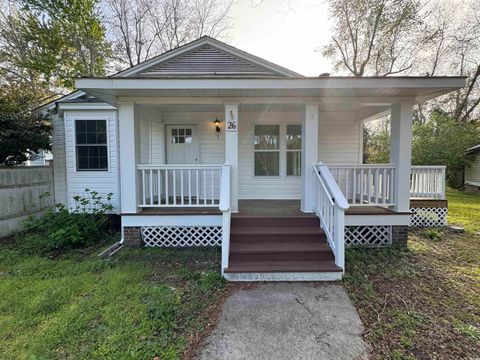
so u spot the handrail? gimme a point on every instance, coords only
(436, 167)
(225, 189)
(365, 166)
(332, 186)
(224, 207)
(177, 166)
(330, 206)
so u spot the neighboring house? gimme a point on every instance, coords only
(207, 145)
(472, 171)
(42, 158)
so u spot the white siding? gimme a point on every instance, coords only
(103, 182)
(340, 141)
(264, 187)
(472, 172)
(340, 138)
(59, 164)
(212, 147)
(207, 61)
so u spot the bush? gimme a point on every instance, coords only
(61, 229)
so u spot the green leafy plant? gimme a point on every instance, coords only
(61, 228)
(432, 234)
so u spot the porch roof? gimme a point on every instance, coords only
(378, 90)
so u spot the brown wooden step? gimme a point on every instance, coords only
(274, 221)
(282, 266)
(282, 256)
(279, 231)
(289, 247)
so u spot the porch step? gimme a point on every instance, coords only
(283, 266)
(279, 248)
(274, 221)
(278, 231)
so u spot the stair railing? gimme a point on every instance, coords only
(224, 207)
(330, 206)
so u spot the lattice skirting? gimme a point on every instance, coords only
(181, 236)
(428, 217)
(377, 235)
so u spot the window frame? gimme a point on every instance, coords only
(287, 124)
(76, 145)
(278, 150)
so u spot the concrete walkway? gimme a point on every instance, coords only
(287, 321)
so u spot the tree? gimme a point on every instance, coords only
(440, 140)
(376, 140)
(142, 29)
(22, 134)
(373, 37)
(443, 141)
(46, 43)
(411, 37)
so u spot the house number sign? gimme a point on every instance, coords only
(232, 124)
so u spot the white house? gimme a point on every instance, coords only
(207, 145)
(472, 171)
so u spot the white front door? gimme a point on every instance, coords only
(182, 144)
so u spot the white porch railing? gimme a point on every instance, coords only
(427, 182)
(330, 206)
(180, 185)
(366, 184)
(224, 207)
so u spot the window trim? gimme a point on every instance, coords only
(279, 150)
(75, 146)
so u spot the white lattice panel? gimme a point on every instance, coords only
(428, 217)
(378, 235)
(181, 236)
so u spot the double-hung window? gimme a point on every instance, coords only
(267, 150)
(91, 144)
(294, 150)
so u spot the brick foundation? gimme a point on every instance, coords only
(472, 189)
(399, 235)
(132, 236)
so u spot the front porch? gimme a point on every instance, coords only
(257, 188)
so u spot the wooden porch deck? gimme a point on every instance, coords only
(261, 208)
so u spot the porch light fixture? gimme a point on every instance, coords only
(216, 122)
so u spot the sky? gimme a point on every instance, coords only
(285, 32)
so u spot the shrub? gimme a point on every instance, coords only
(60, 228)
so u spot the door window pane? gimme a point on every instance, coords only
(267, 163)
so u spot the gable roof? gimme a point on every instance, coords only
(473, 149)
(207, 57)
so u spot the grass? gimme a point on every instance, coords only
(422, 302)
(137, 305)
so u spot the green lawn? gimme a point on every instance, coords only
(422, 302)
(136, 305)
(464, 210)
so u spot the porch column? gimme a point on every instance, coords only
(401, 152)
(231, 151)
(309, 156)
(129, 154)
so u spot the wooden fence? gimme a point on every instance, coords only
(23, 193)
